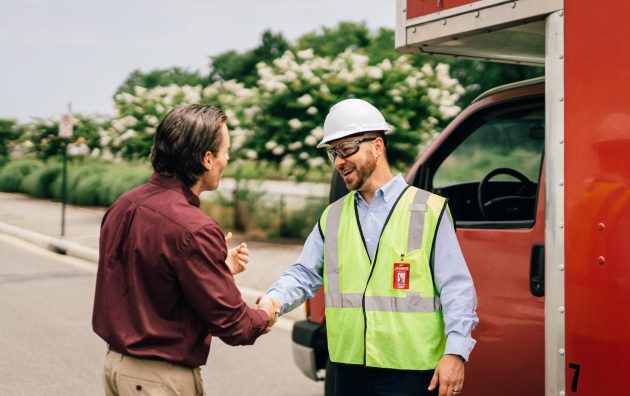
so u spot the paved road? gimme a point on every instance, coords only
(48, 346)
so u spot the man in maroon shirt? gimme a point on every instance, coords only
(165, 281)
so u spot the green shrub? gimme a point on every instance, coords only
(118, 181)
(83, 183)
(13, 173)
(298, 224)
(39, 183)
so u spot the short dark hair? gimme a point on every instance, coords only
(183, 138)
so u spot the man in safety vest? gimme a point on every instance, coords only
(400, 302)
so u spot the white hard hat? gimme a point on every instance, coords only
(352, 116)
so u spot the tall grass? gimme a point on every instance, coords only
(14, 173)
(90, 182)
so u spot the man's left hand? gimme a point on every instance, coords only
(449, 374)
(238, 257)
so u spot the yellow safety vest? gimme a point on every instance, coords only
(386, 313)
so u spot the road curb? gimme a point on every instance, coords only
(53, 244)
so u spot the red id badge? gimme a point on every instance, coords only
(401, 276)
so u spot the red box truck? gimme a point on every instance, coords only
(539, 187)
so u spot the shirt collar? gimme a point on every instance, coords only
(394, 187)
(173, 183)
(389, 190)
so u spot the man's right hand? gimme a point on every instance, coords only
(271, 307)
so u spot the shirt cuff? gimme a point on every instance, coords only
(457, 344)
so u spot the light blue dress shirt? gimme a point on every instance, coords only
(452, 278)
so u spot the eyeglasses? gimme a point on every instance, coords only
(345, 150)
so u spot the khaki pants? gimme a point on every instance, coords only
(125, 375)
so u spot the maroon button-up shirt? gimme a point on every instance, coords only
(162, 287)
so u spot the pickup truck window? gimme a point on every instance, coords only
(492, 175)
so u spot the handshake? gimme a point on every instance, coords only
(271, 307)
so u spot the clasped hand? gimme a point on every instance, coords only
(271, 307)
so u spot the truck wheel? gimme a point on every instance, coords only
(329, 380)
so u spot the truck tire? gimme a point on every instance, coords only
(329, 380)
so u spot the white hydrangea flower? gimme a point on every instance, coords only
(324, 89)
(306, 54)
(427, 70)
(433, 94)
(127, 98)
(386, 64)
(278, 150)
(96, 152)
(151, 119)
(139, 91)
(295, 146)
(310, 140)
(211, 90)
(251, 112)
(374, 87)
(317, 132)
(442, 69)
(303, 155)
(374, 72)
(294, 123)
(287, 162)
(305, 100)
(105, 140)
(312, 110)
(107, 154)
(251, 154)
(449, 111)
(270, 145)
(129, 121)
(316, 162)
(290, 76)
(130, 133)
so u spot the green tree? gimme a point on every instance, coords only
(330, 42)
(161, 78)
(232, 65)
(8, 133)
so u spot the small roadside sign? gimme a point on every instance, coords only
(65, 126)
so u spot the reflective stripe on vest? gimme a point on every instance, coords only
(411, 302)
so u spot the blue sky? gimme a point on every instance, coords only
(57, 51)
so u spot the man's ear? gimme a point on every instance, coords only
(379, 146)
(207, 160)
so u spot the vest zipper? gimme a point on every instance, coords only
(373, 262)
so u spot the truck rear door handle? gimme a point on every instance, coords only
(537, 271)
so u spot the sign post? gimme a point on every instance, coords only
(65, 133)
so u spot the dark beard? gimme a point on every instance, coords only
(363, 173)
